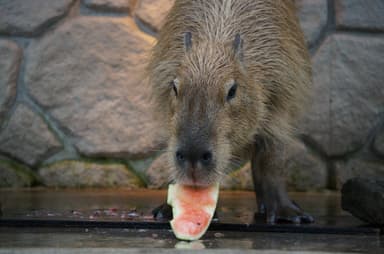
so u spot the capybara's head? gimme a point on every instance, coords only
(221, 73)
(210, 108)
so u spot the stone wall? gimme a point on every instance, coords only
(74, 109)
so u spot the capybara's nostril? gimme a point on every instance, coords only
(206, 157)
(180, 157)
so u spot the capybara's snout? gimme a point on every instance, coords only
(194, 158)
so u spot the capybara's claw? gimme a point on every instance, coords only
(299, 219)
(290, 213)
(306, 219)
(273, 218)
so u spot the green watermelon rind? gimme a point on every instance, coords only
(172, 192)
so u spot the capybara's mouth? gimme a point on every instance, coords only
(195, 184)
(196, 179)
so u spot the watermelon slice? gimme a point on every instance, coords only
(192, 208)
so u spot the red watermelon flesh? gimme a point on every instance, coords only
(193, 209)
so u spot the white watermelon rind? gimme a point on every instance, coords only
(172, 192)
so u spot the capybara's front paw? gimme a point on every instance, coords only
(288, 213)
(163, 212)
(282, 211)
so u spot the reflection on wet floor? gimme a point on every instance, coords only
(125, 205)
(124, 238)
(235, 207)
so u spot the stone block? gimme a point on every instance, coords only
(26, 17)
(153, 12)
(88, 174)
(313, 16)
(364, 198)
(360, 14)
(89, 75)
(27, 137)
(15, 175)
(10, 57)
(119, 6)
(348, 92)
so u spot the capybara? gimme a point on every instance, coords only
(229, 79)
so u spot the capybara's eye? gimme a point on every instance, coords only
(232, 92)
(174, 84)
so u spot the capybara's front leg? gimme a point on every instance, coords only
(269, 181)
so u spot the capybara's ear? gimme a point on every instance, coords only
(187, 41)
(238, 46)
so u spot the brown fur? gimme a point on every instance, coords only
(273, 75)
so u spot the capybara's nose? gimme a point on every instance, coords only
(194, 156)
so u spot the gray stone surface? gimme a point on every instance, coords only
(364, 199)
(88, 174)
(360, 14)
(364, 166)
(121, 6)
(153, 12)
(10, 56)
(348, 92)
(159, 173)
(93, 84)
(141, 165)
(305, 171)
(313, 18)
(240, 179)
(15, 175)
(26, 17)
(379, 142)
(27, 137)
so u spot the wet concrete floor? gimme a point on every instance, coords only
(123, 207)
